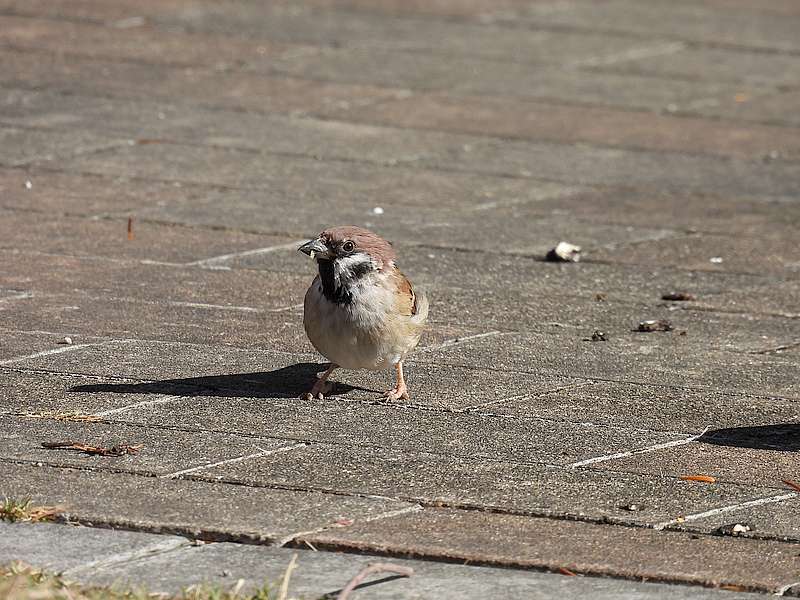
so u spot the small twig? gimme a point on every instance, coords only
(792, 484)
(130, 229)
(117, 450)
(368, 570)
(284, 591)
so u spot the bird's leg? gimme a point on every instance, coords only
(400, 390)
(321, 387)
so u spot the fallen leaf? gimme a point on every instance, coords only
(700, 478)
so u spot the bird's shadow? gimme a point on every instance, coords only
(286, 382)
(784, 437)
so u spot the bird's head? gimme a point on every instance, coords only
(345, 255)
(350, 249)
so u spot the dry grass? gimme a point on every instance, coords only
(20, 582)
(15, 510)
(62, 416)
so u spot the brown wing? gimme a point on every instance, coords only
(406, 298)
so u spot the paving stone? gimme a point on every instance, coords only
(779, 297)
(703, 213)
(52, 192)
(497, 485)
(720, 64)
(758, 454)
(59, 548)
(283, 181)
(206, 369)
(41, 393)
(254, 46)
(777, 520)
(143, 43)
(397, 427)
(210, 87)
(578, 547)
(109, 238)
(17, 343)
(613, 166)
(774, 108)
(99, 11)
(148, 122)
(765, 253)
(208, 284)
(23, 146)
(516, 118)
(316, 574)
(428, 72)
(215, 511)
(653, 406)
(646, 361)
(163, 451)
(178, 321)
(693, 22)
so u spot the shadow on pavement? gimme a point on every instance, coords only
(286, 382)
(784, 437)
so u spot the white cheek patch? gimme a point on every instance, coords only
(348, 266)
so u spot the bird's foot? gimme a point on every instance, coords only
(319, 391)
(399, 392)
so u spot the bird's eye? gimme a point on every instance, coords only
(348, 246)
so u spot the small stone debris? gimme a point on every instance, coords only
(715, 259)
(65, 340)
(631, 507)
(734, 529)
(597, 336)
(28, 184)
(600, 297)
(377, 210)
(654, 325)
(564, 252)
(678, 297)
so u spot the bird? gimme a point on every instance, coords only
(360, 311)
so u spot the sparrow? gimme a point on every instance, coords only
(361, 312)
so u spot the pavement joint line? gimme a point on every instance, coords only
(385, 515)
(618, 455)
(781, 591)
(160, 399)
(161, 547)
(461, 340)
(726, 509)
(560, 388)
(630, 54)
(237, 459)
(63, 349)
(423, 503)
(256, 251)
(213, 306)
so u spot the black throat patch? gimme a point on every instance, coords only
(338, 289)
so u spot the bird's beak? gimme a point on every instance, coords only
(315, 247)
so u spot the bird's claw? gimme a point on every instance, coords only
(318, 392)
(397, 393)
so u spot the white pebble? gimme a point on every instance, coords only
(28, 184)
(377, 210)
(715, 259)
